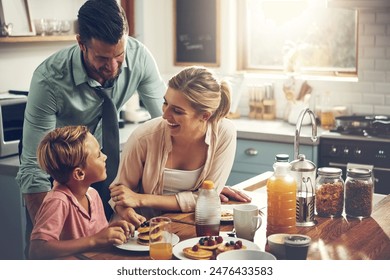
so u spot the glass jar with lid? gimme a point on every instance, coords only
(359, 192)
(329, 192)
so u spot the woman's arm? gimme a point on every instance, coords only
(125, 197)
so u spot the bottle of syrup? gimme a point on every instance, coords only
(208, 211)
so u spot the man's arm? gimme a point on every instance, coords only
(39, 118)
(33, 202)
(152, 88)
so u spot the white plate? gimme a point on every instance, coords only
(227, 213)
(132, 245)
(178, 249)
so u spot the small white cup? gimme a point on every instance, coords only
(246, 220)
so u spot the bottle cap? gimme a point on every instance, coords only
(207, 184)
(282, 157)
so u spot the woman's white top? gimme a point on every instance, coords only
(176, 180)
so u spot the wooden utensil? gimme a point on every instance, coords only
(305, 89)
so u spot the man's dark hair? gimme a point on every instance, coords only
(103, 20)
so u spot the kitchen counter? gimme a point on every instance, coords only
(262, 130)
(274, 131)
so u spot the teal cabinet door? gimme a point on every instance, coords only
(255, 157)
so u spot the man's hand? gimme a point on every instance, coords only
(228, 193)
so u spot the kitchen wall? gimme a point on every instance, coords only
(369, 94)
(18, 60)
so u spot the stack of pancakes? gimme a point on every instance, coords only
(209, 247)
(144, 234)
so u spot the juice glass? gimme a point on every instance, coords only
(160, 242)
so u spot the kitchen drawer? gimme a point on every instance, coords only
(255, 157)
(263, 152)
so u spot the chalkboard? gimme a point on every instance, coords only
(196, 38)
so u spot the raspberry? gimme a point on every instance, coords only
(195, 248)
(239, 242)
(211, 243)
(219, 239)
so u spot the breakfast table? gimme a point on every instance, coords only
(340, 238)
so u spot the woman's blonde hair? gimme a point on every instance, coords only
(204, 92)
(61, 150)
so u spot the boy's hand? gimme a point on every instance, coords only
(127, 227)
(117, 233)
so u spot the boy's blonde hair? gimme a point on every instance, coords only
(61, 150)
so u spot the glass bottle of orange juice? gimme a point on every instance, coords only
(281, 200)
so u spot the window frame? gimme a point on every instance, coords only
(242, 57)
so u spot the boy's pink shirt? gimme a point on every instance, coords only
(61, 217)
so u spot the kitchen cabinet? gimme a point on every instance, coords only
(255, 157)
(13, 220)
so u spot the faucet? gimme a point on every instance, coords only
(298, 129)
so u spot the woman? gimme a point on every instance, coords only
(165, 160)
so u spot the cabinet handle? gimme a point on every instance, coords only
(251, 152)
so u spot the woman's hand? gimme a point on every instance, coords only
(124, 196)
(130, 215)
(228, 193)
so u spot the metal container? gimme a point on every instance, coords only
(304, 172)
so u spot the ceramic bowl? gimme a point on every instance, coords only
(245, 255)
(276, 244)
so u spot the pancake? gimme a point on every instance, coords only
(145, 242)
(228, 246)
(197, 253)
(144, 234)
(209, 242)
(144, 227)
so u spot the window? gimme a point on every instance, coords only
(297, 36)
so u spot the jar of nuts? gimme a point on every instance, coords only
(329, 192)
(359, 191)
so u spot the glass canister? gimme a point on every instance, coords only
(329, 192)
(359, 191)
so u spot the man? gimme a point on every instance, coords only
(63, 89)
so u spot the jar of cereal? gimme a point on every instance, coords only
(359, 191)
(329, 192)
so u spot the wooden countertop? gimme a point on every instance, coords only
(332, 238)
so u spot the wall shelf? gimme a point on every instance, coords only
(37, 39)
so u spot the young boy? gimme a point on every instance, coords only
(71, 219)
